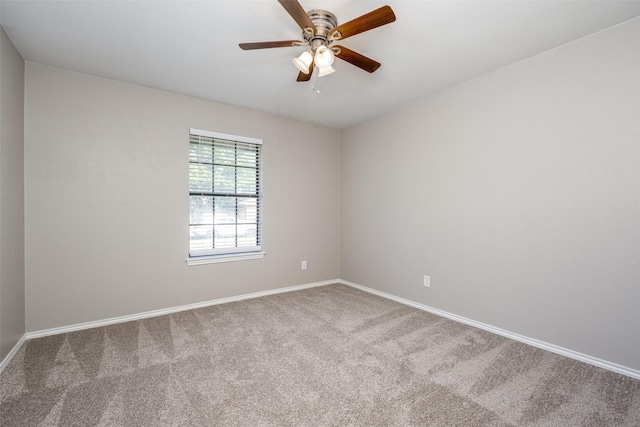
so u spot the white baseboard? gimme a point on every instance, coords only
(12, 353)
(633, 373)
(161, 312)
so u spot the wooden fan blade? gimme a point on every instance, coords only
(302, 77)
(357, 59)
(266, 45)
(298, 14)
(366, 22)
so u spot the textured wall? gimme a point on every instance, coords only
(107, 200)
(12, 285)
(518, 192)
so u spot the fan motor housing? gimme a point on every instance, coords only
(324, 22)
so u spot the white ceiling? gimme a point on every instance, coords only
(191, 47)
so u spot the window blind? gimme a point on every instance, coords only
(224, 194)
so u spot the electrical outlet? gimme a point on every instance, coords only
(303, 265)
(427, 281)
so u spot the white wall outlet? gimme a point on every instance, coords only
(427, 281)
(303, 265)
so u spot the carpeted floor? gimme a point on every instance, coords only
(325, 356)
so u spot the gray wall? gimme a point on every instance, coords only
(12, 283)
(107, 200)
(518, 192)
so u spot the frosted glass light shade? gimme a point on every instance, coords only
(303, 62)
(323, 60)
(326, 70)
(324, 57)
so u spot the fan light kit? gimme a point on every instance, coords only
(319, 30)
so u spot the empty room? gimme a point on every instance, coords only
(319, 213)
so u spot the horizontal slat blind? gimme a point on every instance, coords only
(224, 194)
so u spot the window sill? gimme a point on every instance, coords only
(224, 258)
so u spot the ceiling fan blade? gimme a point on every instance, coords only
(357, 59)
(366, 22)
(298, 14)
(265, 45)
(302, 77)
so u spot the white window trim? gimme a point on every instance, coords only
(213, 259)
(225, 136)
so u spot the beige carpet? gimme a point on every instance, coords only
(326, 356)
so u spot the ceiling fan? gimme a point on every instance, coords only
(320, 30)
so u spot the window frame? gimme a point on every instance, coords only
(232, 253)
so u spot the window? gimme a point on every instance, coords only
(224, 195)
